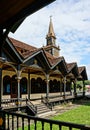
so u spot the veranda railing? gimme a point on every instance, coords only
(14, 121)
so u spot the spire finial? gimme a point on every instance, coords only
(50, 17)
(51, 30)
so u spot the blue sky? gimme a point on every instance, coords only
(71, 21)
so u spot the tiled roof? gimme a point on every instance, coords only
(53, 60)
(80, 69)
(70, 65)
(82, 73)
(24, 49)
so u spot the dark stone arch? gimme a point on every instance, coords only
(6, 85)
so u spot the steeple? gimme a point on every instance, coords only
(51, 41)
(51, 30)
(51, 35)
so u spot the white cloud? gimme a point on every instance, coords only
(71, 21)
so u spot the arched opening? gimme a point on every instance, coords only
(39, 85)
(33, 86)
(55, 85)
(6, 85)
(44, 86)
(23, 85)
(59, 86)
(50, 86)
(14, 87)
(68, 86)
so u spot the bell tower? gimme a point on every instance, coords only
(51, 38)
(51, 41)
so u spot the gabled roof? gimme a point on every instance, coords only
(72, 68)
(11, 51)
(27, 52)
(23, 49)
(81, 69)
(82, 73)
(53, 60)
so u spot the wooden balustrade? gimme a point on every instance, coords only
(14, 121)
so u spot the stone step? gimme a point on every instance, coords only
(42, 108)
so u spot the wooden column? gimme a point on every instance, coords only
(60, 88)
(47, 83)
(18, 80)
(1, 43)
(70, 87)
(64, 86)
(0, 86)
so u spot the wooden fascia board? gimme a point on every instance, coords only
(33, 55)
(46, 58)
(14, 50)
(56, 64)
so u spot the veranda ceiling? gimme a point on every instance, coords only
(13, 12)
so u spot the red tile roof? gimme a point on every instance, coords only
(70, 65)
(24, 49)
(80, 69)
(53, 60)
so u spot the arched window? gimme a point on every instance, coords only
(58, 86)
(55, 85)
(39, 85)
(33, 85)
(6, 85)
(68, 86)
(23, 86)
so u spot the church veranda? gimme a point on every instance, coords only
(34, 80)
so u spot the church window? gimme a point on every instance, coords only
(23, 85)
(6, 85)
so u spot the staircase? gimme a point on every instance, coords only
(42, 108)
